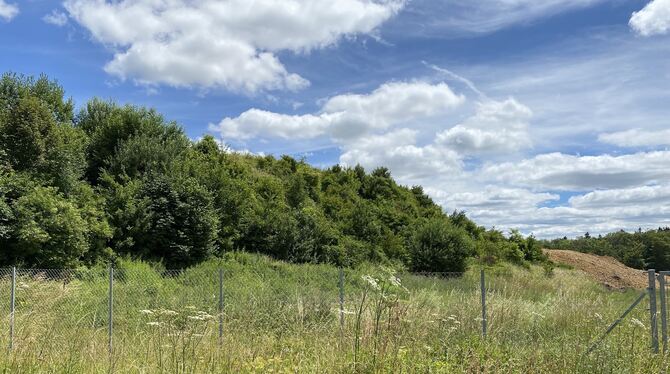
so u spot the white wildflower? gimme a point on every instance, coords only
(637, 322)
(146, 311)
(394, 280)
(372, 281)
(154, 324)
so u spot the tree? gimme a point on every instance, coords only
(438, 246)
(171, 220)
(109, 126)
(46, 229)
(36, 133)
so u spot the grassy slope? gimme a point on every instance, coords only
(284, 317)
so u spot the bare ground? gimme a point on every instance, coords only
(604, 269)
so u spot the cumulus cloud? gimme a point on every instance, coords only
(8, 10)
(638, 196)
(497, 126)
(653, 19)
(636, 138)
(558, 171)
(496, 199)
(56, 18)
(229, 44)
(398, 151)
(346, 117)
(256, 122)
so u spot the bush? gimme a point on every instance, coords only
(437, 246)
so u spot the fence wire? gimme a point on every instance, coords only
(5, 289)
(204, 312)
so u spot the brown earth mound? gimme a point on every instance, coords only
(604, 269)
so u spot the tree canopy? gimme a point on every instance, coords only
(119, 180)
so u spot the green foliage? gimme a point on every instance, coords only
(649, 249)
(494, 247)
(44, 228)
(121, 180)
(438, 246)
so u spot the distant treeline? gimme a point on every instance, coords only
(108, 181)
(640, 249)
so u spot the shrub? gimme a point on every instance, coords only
(437, 246)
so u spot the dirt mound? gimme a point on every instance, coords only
(604, 269)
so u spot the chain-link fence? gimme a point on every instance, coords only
(235, 313)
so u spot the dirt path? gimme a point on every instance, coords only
(604, 269)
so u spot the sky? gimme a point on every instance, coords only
(551, 117)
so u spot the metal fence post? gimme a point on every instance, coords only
(110, 309)
(12, 307)
(220, 306)
(652, 309)
(664, 310)
(341, 287)
(483, 290)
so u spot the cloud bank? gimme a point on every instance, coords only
(228, 44)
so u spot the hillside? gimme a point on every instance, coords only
(603, 269)
(113, 181)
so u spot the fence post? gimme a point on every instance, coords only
(220, 307)
(110, 310)
(483, 290)
(12, 308)
(341, 287)
(652, 309)
(664, 310)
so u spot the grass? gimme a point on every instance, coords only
(285, 318)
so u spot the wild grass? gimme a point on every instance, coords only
(281, 317)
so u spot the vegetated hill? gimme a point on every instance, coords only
(604, 269)
(640, 249)
(111, 180)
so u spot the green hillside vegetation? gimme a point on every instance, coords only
(109, 181)
(640, 249)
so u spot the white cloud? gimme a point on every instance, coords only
(8, 10)
(221, 44)
(494, 198)
(397, 151)
(256, 122)
(636, 138)
(56, 18)
(653, 19)
(449, 17)
(638, 196)
(558, 171)
(497, 126)
(603, 83)
(347, 117)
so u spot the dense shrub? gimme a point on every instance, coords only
(438, 246)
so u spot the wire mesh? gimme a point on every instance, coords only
(5, 289)
(166, 314)
(59, 312)
(171, 320)
(565, 312)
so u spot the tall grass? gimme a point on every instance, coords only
(285, 318)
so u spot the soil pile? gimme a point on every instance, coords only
(604, 269)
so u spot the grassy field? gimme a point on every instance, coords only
(285, 318)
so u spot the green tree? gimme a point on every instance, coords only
(438, 246)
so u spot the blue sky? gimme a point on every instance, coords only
(549, 116)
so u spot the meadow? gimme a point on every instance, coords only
(281, 317)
